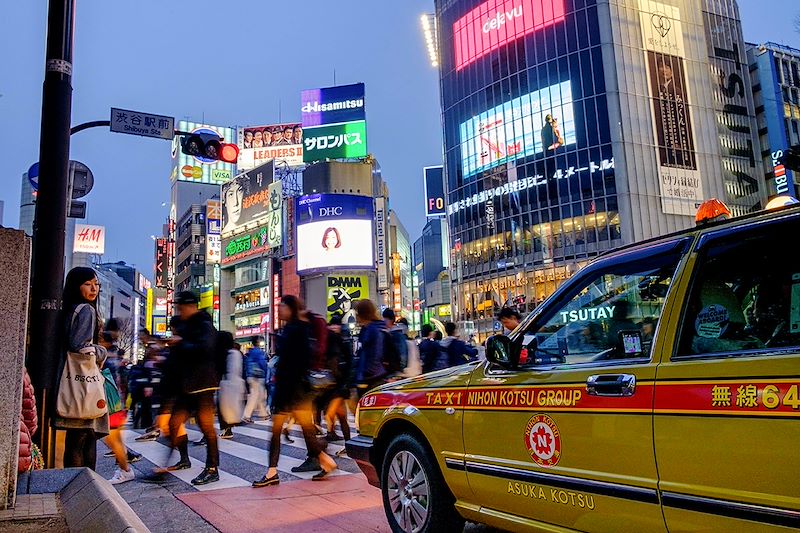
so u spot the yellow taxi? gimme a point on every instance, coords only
(656, 390)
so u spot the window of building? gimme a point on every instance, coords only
(745, 307)
(611, 315)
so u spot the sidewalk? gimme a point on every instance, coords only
(338, 504)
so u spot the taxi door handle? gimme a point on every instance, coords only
(611, 385)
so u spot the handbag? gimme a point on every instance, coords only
(113, 398)
(81, 391)
(231, 392)
(321, 379)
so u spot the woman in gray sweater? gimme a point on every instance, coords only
(81, 327)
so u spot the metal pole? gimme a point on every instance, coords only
(44, 350)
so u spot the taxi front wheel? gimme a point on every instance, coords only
(415, 496)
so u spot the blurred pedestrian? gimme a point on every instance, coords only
(340, 360)
(370, 371)
(81, 325)
(458, 352)
(232, 388)
(292, 391)
(429, 350)
(256, 368)
(398, 337)
(195, 368)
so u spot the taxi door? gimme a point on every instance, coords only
(727, 401)
(567, 438)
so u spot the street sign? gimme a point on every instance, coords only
(77, 209)
(81, 179)
(145, 124)
(33, 176)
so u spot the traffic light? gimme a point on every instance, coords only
(209, 146)
(791, 158)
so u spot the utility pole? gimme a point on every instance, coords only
(44, 349)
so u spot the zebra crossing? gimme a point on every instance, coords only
(244, 458)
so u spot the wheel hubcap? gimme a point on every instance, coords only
(408, 492)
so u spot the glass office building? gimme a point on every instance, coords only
(575, 126)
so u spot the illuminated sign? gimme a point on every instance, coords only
(343, 291)
(435, 202)
(332, 105)
(539, 122)
(247, 199)
(337, 141)
(334, 231)
(493, 24)
(380, 239)
(162, 263)
(529, 182)
(213, 248)
(200, 169)
(213, 217)
(252, 299)
(89, 239)
(239, 248)
(276, 301)
(282, 143)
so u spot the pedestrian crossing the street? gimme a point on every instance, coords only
(244, 458)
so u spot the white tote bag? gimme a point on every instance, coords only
(231, 393)
(81, 392)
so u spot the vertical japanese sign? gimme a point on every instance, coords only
(679, 179)
(276, 301)
(148, 321)
(213, 217)
(275, 215)
(162, 263)
(380, 236)
(89, 239)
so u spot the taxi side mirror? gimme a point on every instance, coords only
(499, 350)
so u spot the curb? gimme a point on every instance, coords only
(90, 503)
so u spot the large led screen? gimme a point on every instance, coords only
(334, 231)
(539, 122)
(335, 244)
(493, 24)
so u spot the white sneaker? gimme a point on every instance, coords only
(121, 476)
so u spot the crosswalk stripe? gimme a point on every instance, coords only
(261, 456)
(297, 435)
(155, 452)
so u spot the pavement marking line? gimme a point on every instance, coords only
(261, 456)
(155, 452)
(299, 442)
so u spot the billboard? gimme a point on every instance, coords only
(332, 105)
(213, 217)
(337, 141)
(334, 231)
(381, 242)
(162, 263)
(435, 201)
(343, 291)
(282, 143)
(213, 248)
(494, 24)
(680, 184)
(539, 122)
(199, 169)
(89, 239)
(239, 248)
(247, 200)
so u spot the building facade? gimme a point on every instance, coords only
(572, 127)
(431, 266)
(775, 71)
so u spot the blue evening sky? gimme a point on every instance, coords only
(235, 63)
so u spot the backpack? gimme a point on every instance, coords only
(319, 340)
(392, 361)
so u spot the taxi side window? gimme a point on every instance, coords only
(612, 316)
(745, 296)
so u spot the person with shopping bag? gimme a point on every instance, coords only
(232, 387)
(81, 408)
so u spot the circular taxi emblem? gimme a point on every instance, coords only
(543, 440)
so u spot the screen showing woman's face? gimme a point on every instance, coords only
(330, 240)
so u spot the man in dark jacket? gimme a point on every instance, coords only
(458, 352)
(195, 370)
(429, 351)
